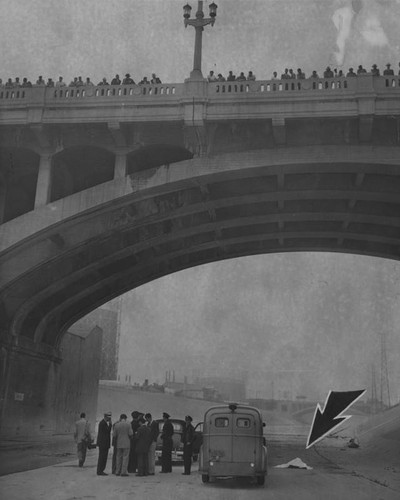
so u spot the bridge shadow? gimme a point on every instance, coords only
(234, 483)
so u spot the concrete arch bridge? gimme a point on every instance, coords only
(102, 193)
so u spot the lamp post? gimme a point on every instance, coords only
(198, 25)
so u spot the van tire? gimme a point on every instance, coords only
(260, 480)
(205, 478)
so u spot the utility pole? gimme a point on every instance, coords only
(374, 395)
(384, 389)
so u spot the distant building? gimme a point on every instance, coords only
(107, 318)
(78, 381)
(229, 389)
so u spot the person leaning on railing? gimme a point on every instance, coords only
(40, 82)
(103, 82)
(128, 80)
(60, 82)
(116, 80)
(300, 75)
(155, 79)
(388, 71)
(250, 76)
(375, 70)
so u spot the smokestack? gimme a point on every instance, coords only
(173, 375)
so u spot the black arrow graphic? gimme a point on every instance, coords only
(331, 417)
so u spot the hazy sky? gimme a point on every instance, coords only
(99, 38)
(313, 319)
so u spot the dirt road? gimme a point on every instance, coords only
(334, 476)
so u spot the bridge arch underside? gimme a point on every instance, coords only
(330, 206)
(18, 177)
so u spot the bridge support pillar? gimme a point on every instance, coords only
(366, 123)
(44, 181)
(120, 165)
(279, 130)
(29, 377)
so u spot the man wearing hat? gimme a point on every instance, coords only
(388, 70)
(128, 80)
(187, 440)
(375, 70)
(166, 436)
(103, 443)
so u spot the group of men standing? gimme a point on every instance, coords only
(134, 443)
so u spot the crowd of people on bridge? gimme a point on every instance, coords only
(134, 443)
(287, 74)
(76, 82)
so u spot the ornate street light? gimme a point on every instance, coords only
(198, 25)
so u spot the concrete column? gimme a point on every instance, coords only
(279, 130)
(120, 165)
(3, 194)
(44, 180)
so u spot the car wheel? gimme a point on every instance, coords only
(260, 480)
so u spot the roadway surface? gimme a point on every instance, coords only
(337, 473)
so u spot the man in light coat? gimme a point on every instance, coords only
(82, 437)
(123, 434)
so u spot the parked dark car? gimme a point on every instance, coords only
(177, 446)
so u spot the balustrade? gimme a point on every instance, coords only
(283, 85)
(46, 95)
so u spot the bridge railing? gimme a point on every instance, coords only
(115, 91)
(276, 86)
(175, 91)
(49, 94)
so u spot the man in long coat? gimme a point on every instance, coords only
(132, 464)
(166, 436)
(143, 439)
(187, 440)
(103, 443)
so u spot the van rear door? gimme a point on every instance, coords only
(245, 442)
(220, 437)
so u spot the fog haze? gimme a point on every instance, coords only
(312, 319)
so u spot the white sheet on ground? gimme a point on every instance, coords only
(296, 463)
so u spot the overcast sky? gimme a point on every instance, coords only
(313, 319)
(99, 38)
